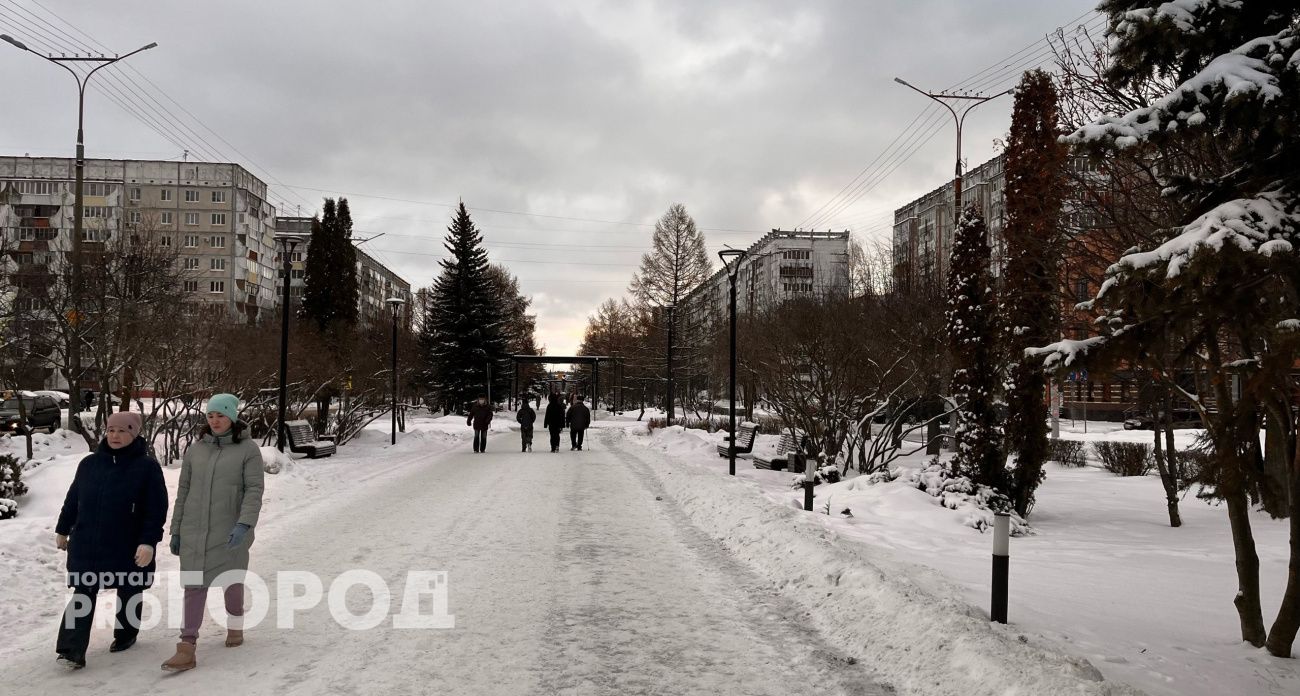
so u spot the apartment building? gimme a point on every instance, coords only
(215, 215)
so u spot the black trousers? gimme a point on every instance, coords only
(575, 436)
(480, 440)
(74, 627)
(555, 438)
(526, 435)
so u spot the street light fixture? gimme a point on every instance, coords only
(669, 407)
(288, 241)
(731, 259)
(74, 317)
(940, 97)
(395, 306)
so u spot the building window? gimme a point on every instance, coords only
(218, 218)
(191, 196)
(165, 218)
(217, 286)
(165, 240)
(135, 194)
(1081, 290)
(98, 189)
(165, 194)
(217, 241)
(217, 265)
(96, 211)
(298, 274)
(37, 188)
(218, 196)
(191, 240)
(297, 257)
(23, 258)
(191, 218)
(134, 217)
(191, 286)
(797, 254)
(191, 263)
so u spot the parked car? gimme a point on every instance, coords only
(61, 398)
(42, 412)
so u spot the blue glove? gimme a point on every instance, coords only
(176, 545)
(237, 535)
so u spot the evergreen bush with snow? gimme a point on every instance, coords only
(11, 485)
(976, 501)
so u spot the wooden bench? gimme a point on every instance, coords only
(780, 460)
(744, 442)
(303, 441)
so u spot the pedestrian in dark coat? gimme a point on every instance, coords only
(480, 416)
(111, 521)
(554, 420)
(579, 418)
(526, 417)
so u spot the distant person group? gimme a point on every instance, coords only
(577, 418)
(112, 521)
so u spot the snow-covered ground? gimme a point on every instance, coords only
(639, 566)
(1102, 576)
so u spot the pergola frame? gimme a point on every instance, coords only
(593, 360)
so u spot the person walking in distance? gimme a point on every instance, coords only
(579, 419)
(480, 416)
(526, 417)
(112, 519)
(218, 502)
(554, 420)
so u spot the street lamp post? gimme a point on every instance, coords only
(959, 121)
(395, 305)
(669, 407)
(74, 318)
(731, 259)
(287, 243)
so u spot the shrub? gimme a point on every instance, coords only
(1125, 458)
(1067, 452)
(11, 485)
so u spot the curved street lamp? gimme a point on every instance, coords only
(74, 344)
(288, 241)
(731, 259)
(395, 306)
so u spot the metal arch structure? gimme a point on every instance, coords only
(593, 360)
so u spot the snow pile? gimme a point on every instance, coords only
(274, 461)
(903, 620)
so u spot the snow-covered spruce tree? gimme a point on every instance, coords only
(1223, 286)
(971, 329)
(462, 332)
(1035, 163)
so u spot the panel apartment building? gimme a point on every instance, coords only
(780, 266)
(215, 215)
(922, 247)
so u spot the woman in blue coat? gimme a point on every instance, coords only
(112, 519)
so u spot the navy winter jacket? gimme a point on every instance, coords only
(526, 416)
(117, 501)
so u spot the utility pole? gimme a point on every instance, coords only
(942, 98)
(74, 313)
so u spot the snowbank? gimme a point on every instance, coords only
(902, 620)
(1101, 577)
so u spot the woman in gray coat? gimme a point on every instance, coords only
(218, 501)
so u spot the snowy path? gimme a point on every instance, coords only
(566, 575)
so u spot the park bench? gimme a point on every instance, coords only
(780, 459)
(303, 441)
(744, 441)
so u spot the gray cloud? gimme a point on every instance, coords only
(752, 114)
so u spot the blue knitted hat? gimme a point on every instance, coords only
(225, 404)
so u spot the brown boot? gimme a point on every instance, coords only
(234, 638)
(182, 660)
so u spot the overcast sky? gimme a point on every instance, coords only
(568, 128)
